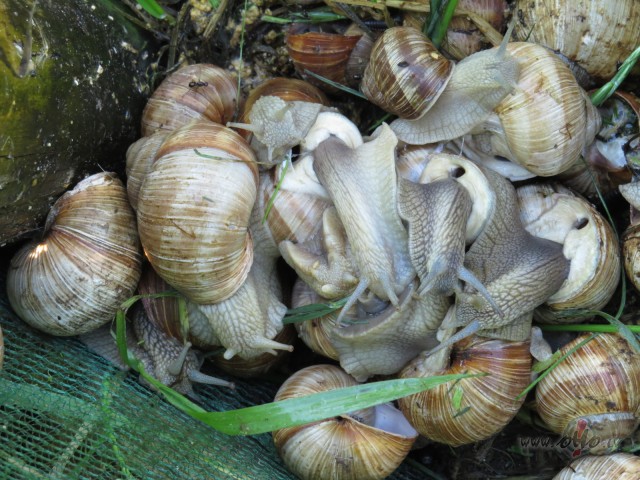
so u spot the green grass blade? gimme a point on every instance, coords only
(155, 10)
(337, 85)
(612, 85)
(286, 413)
(440, 30)
(555, 364)
(319, 406)
(276, 189)
(312, 311)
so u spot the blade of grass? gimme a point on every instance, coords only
(286, 413)
(312, 311)
(432, 18)
(440, 30)
(612, 85)
(336, 84)
(155, 10)
(276, 189)
(578, 346)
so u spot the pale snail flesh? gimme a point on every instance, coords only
(163, 357)
(362, 185)
(380, 338)
(278, 125)
(518, 270)
(246, 323)
(368, 443)
(87, 264)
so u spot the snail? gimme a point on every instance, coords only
(593, 394)
(85, 266)
(621, 466)
(367, 443)
(379, 339)
(437, 214)
(554, 212)
(338, 57)
(198, 91)
(163, 357)
(486, 404)
(278, 125)
(203, 171)
(478, 84)
(519, 271)
(140, 156)
(545, 124)
(362, 184)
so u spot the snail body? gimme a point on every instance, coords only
(362, 185)
(478, 84)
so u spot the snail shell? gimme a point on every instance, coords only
(140, 155)
(194, 208)
(594, 392)
(342, 447)
(621, 466)
(553, 212)
(487, 403)
(597, 35)
(198, 91)
(547, 121)
(325, 54)
(87, 264)
(406, 74)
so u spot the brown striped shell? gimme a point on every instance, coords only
(192, 92)
(621, 466)
(406, 74)
(325, 54)
(593, 393)
(88, 263)
(345, 447)
(474, 408)
(194, 208)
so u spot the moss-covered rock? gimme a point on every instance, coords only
(72, 88)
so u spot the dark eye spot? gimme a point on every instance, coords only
(457, 172)
(403, 64)
(581, 223)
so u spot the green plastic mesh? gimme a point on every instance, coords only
(67, 413)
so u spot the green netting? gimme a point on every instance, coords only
(66, 413)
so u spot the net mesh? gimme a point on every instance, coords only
(66, 413)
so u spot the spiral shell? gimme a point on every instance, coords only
(140, 156)
(594, 393)
(88, 263)
(406, 74)
(192, 92)
(487, 403)
(621, 466)
(325, 54)
(549, 119)
(193, 211)
(341, 447)
(553, 212)
(598, 35)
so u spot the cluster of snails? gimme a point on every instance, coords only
(441, 261)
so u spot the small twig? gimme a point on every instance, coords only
(215, 18)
